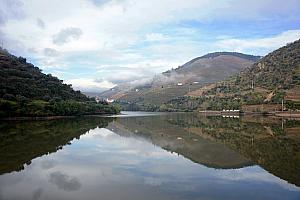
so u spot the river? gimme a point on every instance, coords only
(136, 156)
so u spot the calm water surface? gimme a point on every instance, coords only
(155, 156)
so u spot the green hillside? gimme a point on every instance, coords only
(17, 77)
(277, 70)
(26, 91)
(260, 87)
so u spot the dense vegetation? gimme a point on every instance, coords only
(277, 70)
(26, 91)
(39, 108)
(268, 81)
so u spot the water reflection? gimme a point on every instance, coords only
(224, 143)
(20, 142)
(64, 182)
(37, 194)
(165, 133)
(176, 156)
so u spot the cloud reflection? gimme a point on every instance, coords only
(64, 182)
(47, 164)
(37, 194)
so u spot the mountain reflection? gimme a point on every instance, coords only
(20, 142)
(222, 142)
(216, 142)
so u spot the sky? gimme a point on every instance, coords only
(97, 44)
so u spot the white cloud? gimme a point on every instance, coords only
(50, 52)
(131, 34)
(115, 25)
(135, 73)
(47, 63)
(88, 84)
(118, 24)
(66, 35)
(152, 37)
(263, 44)
(40, 23)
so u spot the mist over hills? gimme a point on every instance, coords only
(190, 76)
(212, 67)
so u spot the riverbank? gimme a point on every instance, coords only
(49, 117)
(35, 118)
(284, 114)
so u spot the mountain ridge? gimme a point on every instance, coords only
(178, 75)
(222, 53)
(188, 77)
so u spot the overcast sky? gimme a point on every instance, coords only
(97, 44)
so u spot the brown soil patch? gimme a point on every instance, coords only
(293, 94)
(200, 91)
(262, 108)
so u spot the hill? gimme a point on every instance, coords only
(261, 87)
(26, 91)
(21, 78)
(278, 70)
(213, 67)
(178, 82)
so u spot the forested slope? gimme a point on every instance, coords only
(26, 91)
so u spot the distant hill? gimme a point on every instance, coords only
(91, 94)
(236, 54)
(27, 92)
(212, 67)
(178, 82)
(117, 91)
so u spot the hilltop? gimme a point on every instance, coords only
(178, 82)
(213, 66)
(26, 91)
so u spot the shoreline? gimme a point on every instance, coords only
(35, 118)
(280, 114)
(283, 114)
(49, 117)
